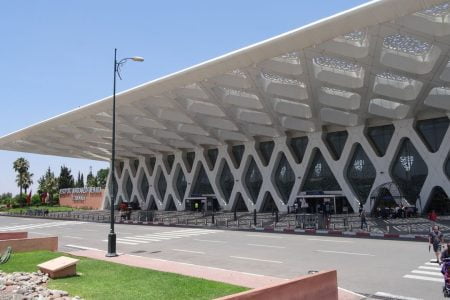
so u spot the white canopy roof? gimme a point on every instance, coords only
(385, 60)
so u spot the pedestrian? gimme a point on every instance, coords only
(363, 219)
(446, 253)
(435, 239)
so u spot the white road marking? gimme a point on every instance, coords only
(342, 252)
(265, 236)
(39, 225)
(391, 296)
(72, 237)
(268, 246)
(257, 259)
(210, 241)
(431, 264)
(189, 251)
(440, 280)
(430, 268)
(39, 233)
(82, 247)
(131, 240)
(427, 273)
(122, 242)
(331, 241)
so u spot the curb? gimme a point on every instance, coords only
(335, 233)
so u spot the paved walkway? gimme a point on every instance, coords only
(216, 274)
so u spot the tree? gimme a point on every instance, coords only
(102, 176)
(91, 180)
(21, 166)
(65, 179)
(49, 184)
(27, 180)
(80, 181)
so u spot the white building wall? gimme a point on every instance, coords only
(403, 129)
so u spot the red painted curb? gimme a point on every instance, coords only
(310, 231)
(362, 234)
(288, 230)
(390, 236)
(335, 232)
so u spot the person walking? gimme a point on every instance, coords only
(363, 219)
(435, 239)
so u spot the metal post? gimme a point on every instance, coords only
(254, 217)
(276, 216)
(112, 234)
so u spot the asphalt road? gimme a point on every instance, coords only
(364, 266)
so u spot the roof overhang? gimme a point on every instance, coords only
(385, 60)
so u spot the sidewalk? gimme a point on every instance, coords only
(248, 280)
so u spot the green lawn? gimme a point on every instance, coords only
(50, 208)
(104, 280)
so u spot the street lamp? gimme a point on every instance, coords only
(112, 234)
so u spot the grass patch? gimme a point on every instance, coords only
(105, 280)
(49, 208)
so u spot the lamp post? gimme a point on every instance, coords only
(112, 234)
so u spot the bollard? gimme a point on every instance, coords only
(238, 223)
(206, 222)
(196, 222)
(234, 215)
(387, 228)
(226, 223)
(351, 227)
(317, 225)
(409, 229)
(276, 216)
(212, 218)
(368, 228)
(302, 225)
(289, 224)
(261, 223)
(254, 217)
(334, 226)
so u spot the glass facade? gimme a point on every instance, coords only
(144, 186)
(380, 137)
(151, 162)
(432, 132)
(284, 178)
(129, 188)
(336, 142)
(136, 164)
(361, 174)
(239, 204)
(447, 168)
(212, 156)
(253, 180)
(171, 204)
(170, 160)
(409, 171)
(162, 185)
(266, 149)
(238, 152)
(152, 204)
(190, 157)
(439, 201)
(202, 186)
(181, 184)
(268, 203)
(319, 176)
(226, 181)
(298, 147)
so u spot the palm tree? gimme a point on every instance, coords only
(21, 166)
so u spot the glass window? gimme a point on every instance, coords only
(151, 165)
(447, 167)
(253, 180)
(162, 185)
(129, 188)
(181, 184)
(336, 142)
(238, 152)
(190, 157)
(144, 186)
(226, 181)
(268, 203)
(284, 178)
(432, 132)
(409, 171)
(319, 176)
(136, 164)
(170, 160)
(361, 173)
(202, 186)
(380, 137)
(266, 149)
(239, 204)
(298, 147)
(212, 155)
(170, 204)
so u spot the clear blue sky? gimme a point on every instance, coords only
(58, 55)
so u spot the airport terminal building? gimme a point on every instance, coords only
(352, 109)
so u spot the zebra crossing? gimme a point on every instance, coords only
(162, 236)
(39, 225)
(429, 271)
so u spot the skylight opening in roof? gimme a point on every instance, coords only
(392, 76)
(337, 92)
(336, 63)
(233, 92)
(238, 72)
(406, 44)
(283, 80)
(440, 10)
(355, 36)
(291, 58)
